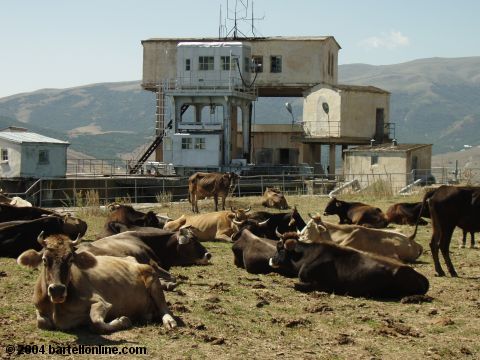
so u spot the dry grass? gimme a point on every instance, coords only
(230, 314)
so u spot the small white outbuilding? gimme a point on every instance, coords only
(24, 154)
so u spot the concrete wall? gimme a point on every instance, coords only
(316, 120)
(391, 167)
(359, 112)
(304, 60)
(23, 160)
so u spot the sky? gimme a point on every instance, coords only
(68, 43)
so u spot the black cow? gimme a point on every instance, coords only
(253, 253)
(356, 213)
(342, 270)
(12, 213)
(451, 206)
(18, 236)
(265, 224)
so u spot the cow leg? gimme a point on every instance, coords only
(43, 322)
(464, 239)
(215, 199)
(444, 244)
(223, 237)
(159, 298)
(434, 250)
(167, 280)
(472, 241)
(223, 202)
(99, 310)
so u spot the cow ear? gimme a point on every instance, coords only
(84, 260)
(30, 258)
(231, 216)
(290, 244)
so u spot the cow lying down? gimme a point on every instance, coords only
(79, 288)
(332, 268)
(381, 242)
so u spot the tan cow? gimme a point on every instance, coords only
(381, 242)
(202, 185)
(274, 198)
(105, 292)
(207, 227)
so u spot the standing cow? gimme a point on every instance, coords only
(202, 185)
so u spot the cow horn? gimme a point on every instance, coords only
(310, 216)
(277, 233)
(233, 209)
(78, 240)
(41, 239)
(248, 209)
(263, 223)
(238, 223)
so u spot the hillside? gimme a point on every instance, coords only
(433, 101)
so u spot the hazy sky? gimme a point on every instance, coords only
(66, 43)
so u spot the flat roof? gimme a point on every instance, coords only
(270, 38)
(387, 147)
(29, 137)
(360, 88)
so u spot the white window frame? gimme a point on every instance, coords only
(200, 143)
(45, 159)
(206, 63)
(225, 62)
(4, 156)
(276, 64)
(187, 143)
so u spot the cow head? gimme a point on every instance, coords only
(230, 179)
(240, 214)
(58, 255)
(73, 227)
(189, 249)
(332, 207)
(151, 220)
(254, 226)
(285, 254)
(315, 230)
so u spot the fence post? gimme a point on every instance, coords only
(74, 193)
(40, 194)
(106, 191)
(239, 187)
(283, 181)
(135, 184)
(261, 183)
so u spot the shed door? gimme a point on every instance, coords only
(379, 125)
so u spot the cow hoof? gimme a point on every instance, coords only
(440, 274)
(169, 322)
(169, 286)
(462, 246)
(473, 247)
(123, 322)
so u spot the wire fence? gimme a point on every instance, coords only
(87, 191)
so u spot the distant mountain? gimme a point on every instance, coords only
(433, 101)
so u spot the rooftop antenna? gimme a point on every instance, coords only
(240, 14)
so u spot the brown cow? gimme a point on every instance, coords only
(377, 241)
(274, 198)
(79, 288)
(450, 206)
(202, 185)
(407, 213)
(356, 213)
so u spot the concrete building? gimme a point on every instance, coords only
(26, 154)
(225, 77)
(398, 164)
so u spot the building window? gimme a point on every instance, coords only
(225, 60)
(186, 143)
(200, 143)
(187, 64)
(276, 64)
(257, 63)
(374, 160)
(4, 155)
(43, 157)
(205, 63)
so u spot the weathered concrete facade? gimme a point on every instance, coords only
(397, 164)
(29, 155)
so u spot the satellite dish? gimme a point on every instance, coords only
(325, 107)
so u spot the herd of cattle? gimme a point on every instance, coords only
(84, 283)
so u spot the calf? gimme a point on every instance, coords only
(356, 213)
(105, 292)
(341, 270)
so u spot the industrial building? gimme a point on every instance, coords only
(217, 82)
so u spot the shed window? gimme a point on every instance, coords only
(374, 160)
(205, 63)
(225, 60)
(199, 143)
(186, 143)
(276, 64)
(257, 63)
(187, 64)
(4, 155)
(43, 157)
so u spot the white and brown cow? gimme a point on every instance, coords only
(104, 292)
(202, 185)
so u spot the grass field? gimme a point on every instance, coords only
(230, 314)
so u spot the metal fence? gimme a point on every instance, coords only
(102, 190)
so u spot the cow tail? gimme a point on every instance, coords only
(426, 197)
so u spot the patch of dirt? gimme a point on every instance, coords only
(221, 286)
(291, 323)
(179, 307)
(444, 321)
(416, 299)
(318, 308)
(344, 339)
(214, 308)
(393, 328)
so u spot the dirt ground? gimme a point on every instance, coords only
(230, 314)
